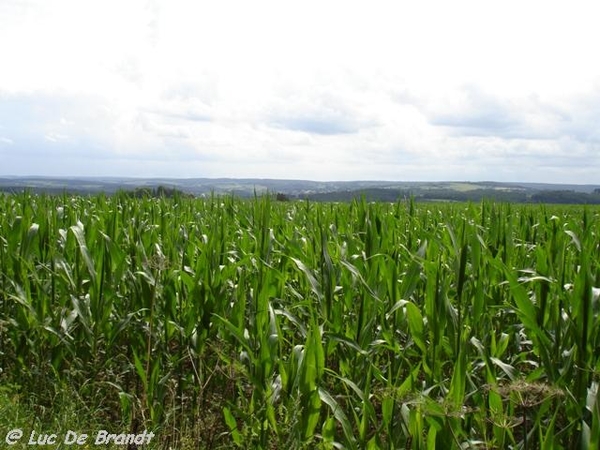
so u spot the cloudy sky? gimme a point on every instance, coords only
(320, 90)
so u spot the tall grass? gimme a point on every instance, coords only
(261, 324)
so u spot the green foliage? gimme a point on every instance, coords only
(264, 324)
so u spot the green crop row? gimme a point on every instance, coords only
(222, 323)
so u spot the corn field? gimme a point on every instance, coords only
(227, 323)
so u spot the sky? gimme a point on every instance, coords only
(317, 90)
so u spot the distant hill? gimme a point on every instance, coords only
(313, 190)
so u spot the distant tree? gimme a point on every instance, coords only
(566, 197)
(280, 197)
(160, 191)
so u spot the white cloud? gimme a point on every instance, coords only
(318, 90)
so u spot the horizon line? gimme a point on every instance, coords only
(113, 177)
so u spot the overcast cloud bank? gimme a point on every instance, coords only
(339, 91)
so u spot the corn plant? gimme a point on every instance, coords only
(262, 324)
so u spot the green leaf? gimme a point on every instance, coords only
(339, 415)
(415, 325)
(232, 425)
(78, 231)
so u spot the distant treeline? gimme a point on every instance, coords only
(474, 195)
(370, 194)
(156, 192)
(44, 190)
